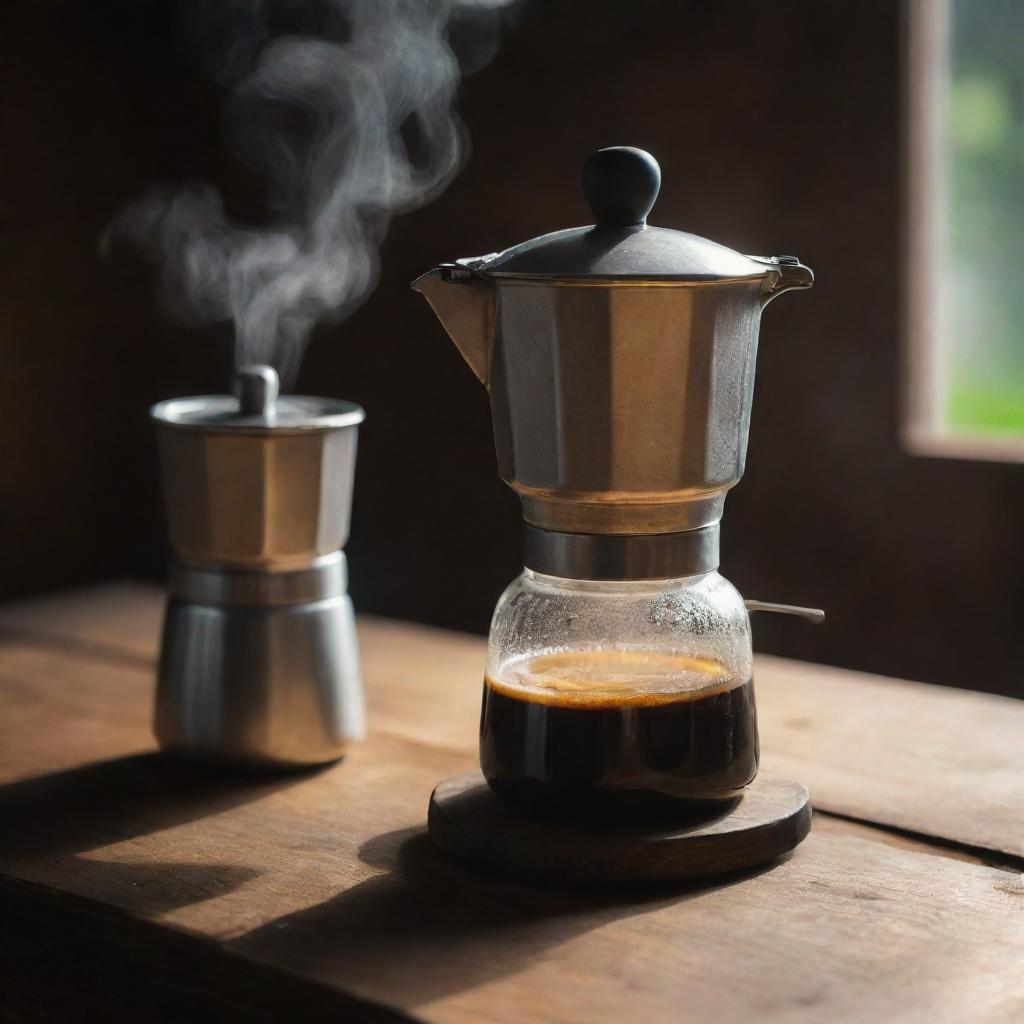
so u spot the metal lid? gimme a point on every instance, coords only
(257, 408)
(621, 184)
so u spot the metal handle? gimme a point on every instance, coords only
(257, 388)
(815, 615)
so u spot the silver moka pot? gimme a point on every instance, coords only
(619, 358)
(258, 662)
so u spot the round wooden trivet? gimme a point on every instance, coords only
(771, 818)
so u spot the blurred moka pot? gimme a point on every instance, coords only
(259, 662)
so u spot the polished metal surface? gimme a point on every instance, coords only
(583, 556)
(222, 414)
(250, 490)
(255, 408)
(259, 662)
(621, 184)
(815, 615)
(277, 686)
(324, 578)
(623, 409)
(621, 379)
(258, 388)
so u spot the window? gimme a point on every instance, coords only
(965, 203)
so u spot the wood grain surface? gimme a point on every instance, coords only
(324, 884)
(931, 760)
(770, 819)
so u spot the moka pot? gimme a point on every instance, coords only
(259, 662)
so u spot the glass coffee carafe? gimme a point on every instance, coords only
(602, 691)
(619, 358)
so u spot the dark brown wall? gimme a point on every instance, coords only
(777, 129)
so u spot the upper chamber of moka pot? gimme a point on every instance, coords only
(620, 363)
(257, 481)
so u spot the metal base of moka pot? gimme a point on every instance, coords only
(259, 663)
(260, 667)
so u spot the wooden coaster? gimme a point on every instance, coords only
(771, 818)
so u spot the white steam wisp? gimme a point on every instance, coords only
(350, 123)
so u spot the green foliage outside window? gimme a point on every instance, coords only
(983, 286)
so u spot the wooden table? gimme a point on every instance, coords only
(135, 887)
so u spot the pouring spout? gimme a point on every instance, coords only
(790, 274)
(464, 302)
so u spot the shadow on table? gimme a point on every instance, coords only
(48, 825)
(431, 926)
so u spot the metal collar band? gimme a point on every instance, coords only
(651, 556)
(325, 578)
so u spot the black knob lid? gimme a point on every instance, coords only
(621, 184)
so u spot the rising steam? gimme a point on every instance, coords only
(345, 107)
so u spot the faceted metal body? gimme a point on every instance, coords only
(623, 409)
(618, 407)
(272, 498)
(619, 358)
